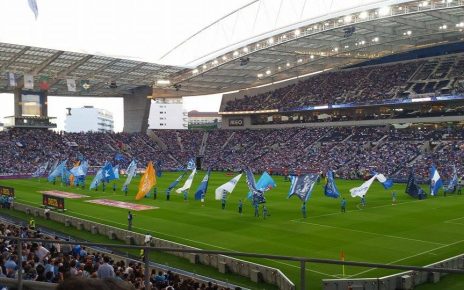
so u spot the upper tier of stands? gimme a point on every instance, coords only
(362, 85)
(351, 151)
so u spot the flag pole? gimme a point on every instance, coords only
(342, 258)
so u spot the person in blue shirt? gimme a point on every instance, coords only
(129, 220)
(168, 195)
(185, 192)
(343, 205)
(256, 205)
(363, 200)
(265, 212)
(240, 206)
(125, 190)
(223, 201)
(303, 210)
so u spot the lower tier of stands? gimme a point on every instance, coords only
(350, 151)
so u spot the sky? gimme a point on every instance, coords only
(145, 30)
(57, 107)
(142, 30)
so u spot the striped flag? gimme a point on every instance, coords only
(203, 187)
(34, 8)
(12, 79)
(226, 188)
(188, 182)
(71, 83)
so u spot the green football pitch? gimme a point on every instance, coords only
(411, 232)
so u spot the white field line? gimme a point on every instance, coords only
(210, 245)
(199, 242)
(455, 223)
(370, 233)
(409, 257)
(309, 270)
(357, 210)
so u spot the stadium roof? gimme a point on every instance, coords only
(58, 66)
(323, 41)
(329, 41)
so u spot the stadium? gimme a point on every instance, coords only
(334, 158)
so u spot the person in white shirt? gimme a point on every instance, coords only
(147, 239)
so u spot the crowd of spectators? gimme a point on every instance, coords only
(182, 143)
(351, 151)
(361, 85)
(76, 267)
(24, 150)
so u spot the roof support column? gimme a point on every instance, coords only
(136, 110)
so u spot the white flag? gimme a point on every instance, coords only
(228, 187)
(362, 190)
(188, 182)
(29, 82)
(71, 85)
(12, 79)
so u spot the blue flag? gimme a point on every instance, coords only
(97, 179)
(53, 166)
(330, 188)
(108, 172)
(302, 186)
(265, 183)
(130, 171)
(257, 194)
(175, 182)
(105, 174)
(386, 182)
(116, 172)
(453, 182)
(119, 157)
(435, 181)
(40, 170)
(65, 174)
(34, 8)
(80, 170)
(58, 171)
(201, 190)
(413, 189)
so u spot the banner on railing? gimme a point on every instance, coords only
(6, 190)
(53, 201)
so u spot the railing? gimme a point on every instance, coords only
(302, 260)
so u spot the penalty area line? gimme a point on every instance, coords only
(357, 210)
(370, 233)
(452, 221)
(409, 257)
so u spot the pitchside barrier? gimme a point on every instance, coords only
(116, 256)
(401, 281)
(223, 261)
(224, 264)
